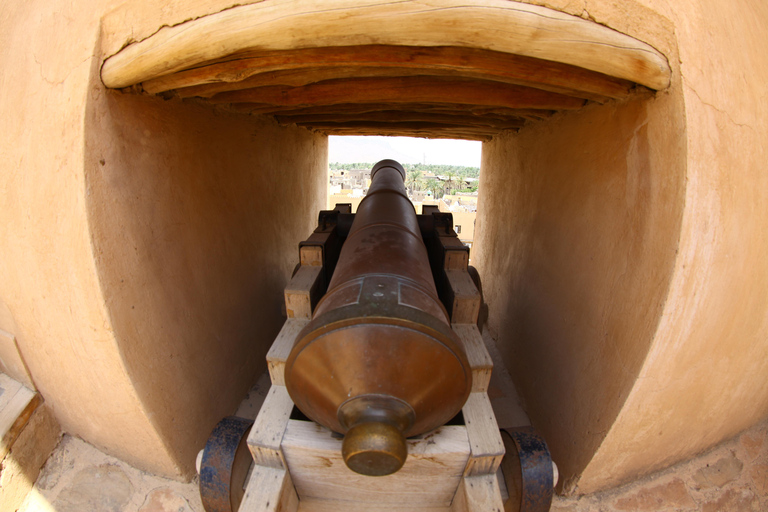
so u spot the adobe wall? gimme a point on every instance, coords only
(633, 311)
(143, 255)
(632, 238)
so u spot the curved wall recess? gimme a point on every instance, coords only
(448, 68)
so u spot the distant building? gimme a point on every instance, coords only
(356, 179)
(351, 186)
(464, 210)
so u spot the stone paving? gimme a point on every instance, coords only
(80, 478)
(732, 477)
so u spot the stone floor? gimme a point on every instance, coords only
(79, 478)
(732, 477)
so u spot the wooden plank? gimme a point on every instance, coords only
(486, 445)
(442, 133)
(395, 125)
(269, 427)
(311, 249)
(464, 297)
(417, 129)
(9, 389)
(17, 403)
(305, 77)
(281, 349)
(305, 66)
(497, 25)
(360, 108)
(400, 116)
(311, 255)
(479, 359)
(456, 260)
(302, 292)
(396, 90)
(478, 494)
(535, 114)
(429, 477)
(456, 253)
(269, 490)
(315, 505)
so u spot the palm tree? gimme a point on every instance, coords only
(451, 179)
(413, 180)
(434, 186)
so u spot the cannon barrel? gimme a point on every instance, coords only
(379, 362)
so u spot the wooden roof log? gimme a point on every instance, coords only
(398, 116)
(411, 129)
(498, 25)
(404, 90)
(359, 108)
(362, 108)
(431, 133)
(528, 113)
(391, 125)
(302, 67)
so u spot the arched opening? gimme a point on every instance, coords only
(571, 223)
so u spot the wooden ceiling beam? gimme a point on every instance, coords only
(351, 108)
(362, 108)
(413, 127)
(302, 67)
(432, 133)
(397, 116)
(404, 90)
(497, 25)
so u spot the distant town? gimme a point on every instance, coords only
(451, 188)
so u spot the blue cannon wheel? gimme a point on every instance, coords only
(225, 465)
(527, 468)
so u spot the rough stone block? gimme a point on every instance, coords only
(734, 500)
(725, 470)
(759, 475)
(165, 500)
(106, 488)
(672, 495)
(752, 442)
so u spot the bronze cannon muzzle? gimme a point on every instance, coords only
(379, 362)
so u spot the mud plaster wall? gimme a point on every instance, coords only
(145, 243)
(631, 238)
(675, 388)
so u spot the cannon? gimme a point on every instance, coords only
(379, 380)
(379, 361)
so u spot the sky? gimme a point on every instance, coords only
(406, 150)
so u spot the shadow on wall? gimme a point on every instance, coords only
(593, 204)
(195, 216)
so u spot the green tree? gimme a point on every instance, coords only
(450, 181)
(413, 180)
(436, 188)
(465, 172)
